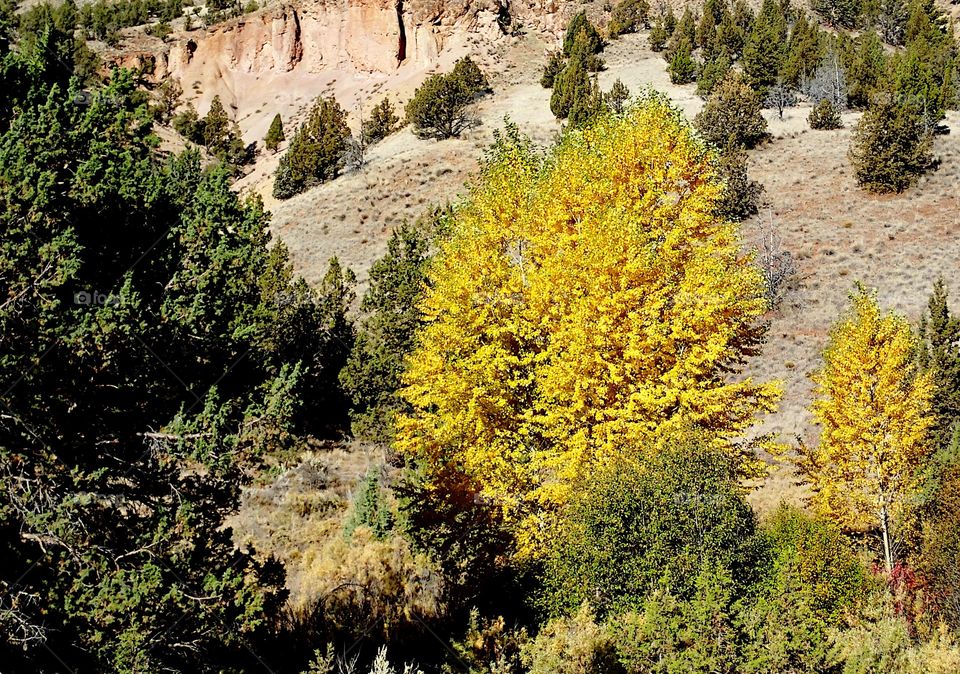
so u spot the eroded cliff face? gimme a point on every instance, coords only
(280, 58)
(375, 36)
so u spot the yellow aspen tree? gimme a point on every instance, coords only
(874, 409)
(589, 305)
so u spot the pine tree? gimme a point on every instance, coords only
(683, 69)
(551, 69)
(658, 35)
(381, 123)
(873, 405)
(439, 107)
(215, 125)
(274, 134)
(591, 37)
(571, 86)
(617, 97)
(627, 16)
(732, 116)
(891, 145)
(316, 152)
(940, 355)
(765, 49)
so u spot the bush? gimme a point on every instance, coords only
(712, 73)
(815, 553)
(630, 527)
(658, 35)
(891, 146)
(382, 122)
(553, 67)
(731, 116)
(683, 69)
(741, 196)
(825, 116)
(438, 108)
(316, 151)
(591, 37)
(275, 134)
(628, 16)
(574, 645)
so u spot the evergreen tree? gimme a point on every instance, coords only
(370, 509)
(571, 86)
(891, 21)
(274, 134)
(805, 51)
(385, 335)
(825, 115)
(940, 355)
(382, 122)
(839, 13)
(628, 16)
(551, 69)
(316, 151)
(732, 115)
(658, 35)
(616, 99)
(685, 33)
(891, 145)
(145, 374)
(590, 36)
(712, 73)
(765, 49)
(865, 66)
(439, 107)
(215, 125)
(683, 69)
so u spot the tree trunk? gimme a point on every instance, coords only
(885, 530)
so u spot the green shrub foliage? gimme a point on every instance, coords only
(382, 122)
(633, 527)
(825, 116)
(891, 145)
(439, 107)
(316, 151)
(732, 115)
(628, 16)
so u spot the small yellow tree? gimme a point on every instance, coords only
(874, 409)
(589, 305)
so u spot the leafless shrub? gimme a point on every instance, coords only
(776, 263)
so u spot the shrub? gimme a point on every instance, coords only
(670, 634)
(891, 146)
(552, 68)
(617, 97)
(572, 85)
(628, 16)
(741, 196)
(712, 73)
(825, 116)
(382, 122)
(591, 37)
(275, 134)
(658, 35)
(731, 116)
(438, 108)
(683, 69)
(815, 553)
(316, 151)
(630, 527)
(571, 645)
